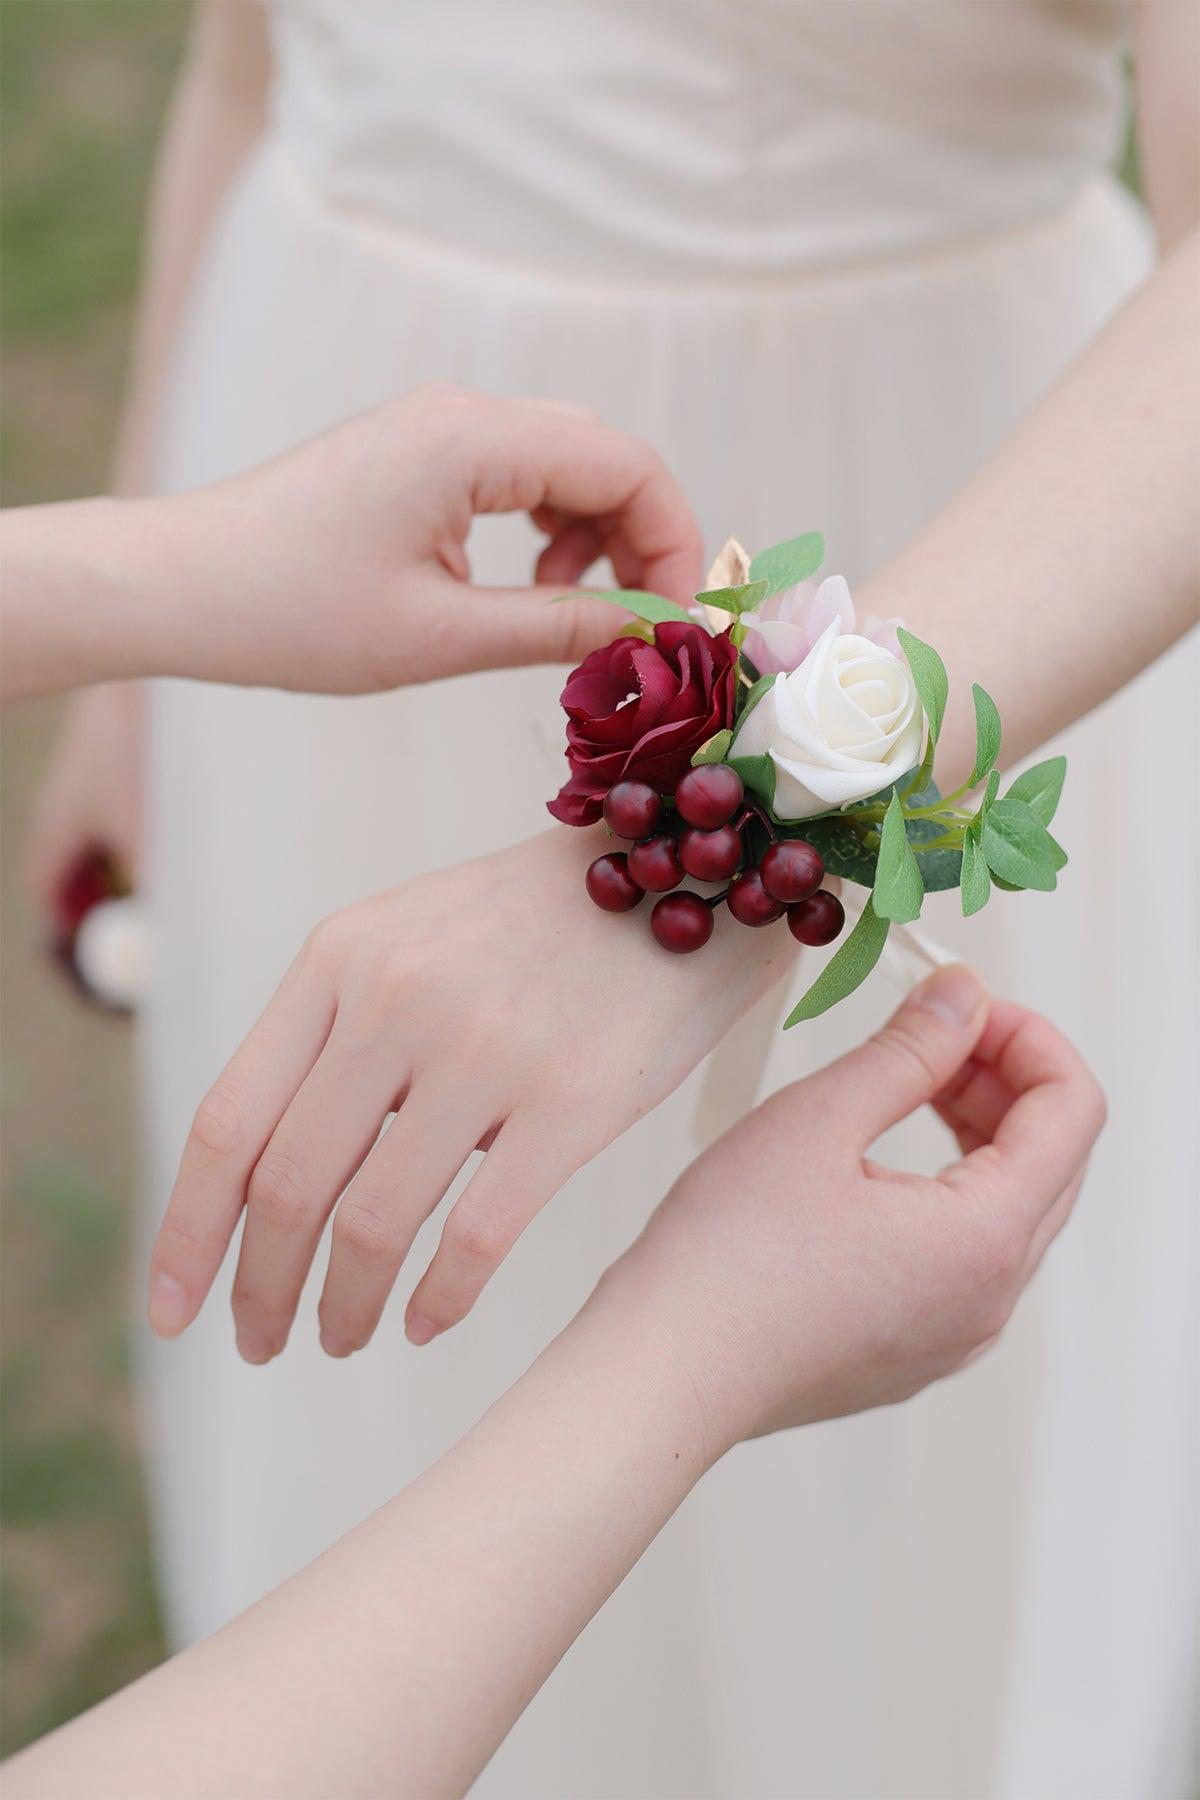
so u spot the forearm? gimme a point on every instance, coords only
(1072, 559)
(399, 1660)
(103, 590)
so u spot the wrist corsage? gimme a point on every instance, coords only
(762, 739)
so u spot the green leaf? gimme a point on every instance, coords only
(898, 890)
(840, 846)
(1060, 856)
(987, 734)
(783, 565)
(651, 607)
(1040, 787)
(1017, 846)
(940, 869)
(714, 750)
(758, 775)
(735, 599)
(929, 673)
(975, 826)
(850, 847)
(976, 881)
(762, 686)
(846, 970)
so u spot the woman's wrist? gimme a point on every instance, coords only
(657, 1336)
(75, 604)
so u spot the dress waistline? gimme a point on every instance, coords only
(1097, 198)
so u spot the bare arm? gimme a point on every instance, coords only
(342, 566)
(216, 114)
(768, 1292)
(1072, 560)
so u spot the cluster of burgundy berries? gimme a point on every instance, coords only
(709, 839)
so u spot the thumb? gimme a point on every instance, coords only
(506, 628)
(921, 1048)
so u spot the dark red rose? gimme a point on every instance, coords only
(639, 711)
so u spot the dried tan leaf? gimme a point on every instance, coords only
(731, 568)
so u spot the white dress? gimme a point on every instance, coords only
(822, 255)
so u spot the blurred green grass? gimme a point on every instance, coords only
(82, 89)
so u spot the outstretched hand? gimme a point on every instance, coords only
(496, 1034)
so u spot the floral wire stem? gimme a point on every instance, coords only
(756, 812)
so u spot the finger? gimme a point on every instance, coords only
(570, 553)
(508, 628)
(588, 470)
(974, 1103)
(512, 1185)
(1049, 1227)
(923, 1045)
(394, 1192)
(232, 1126)
(320, 1141)
(1043, 1139)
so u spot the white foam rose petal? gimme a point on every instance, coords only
(800, 721)
(838, 714)
(799, 730)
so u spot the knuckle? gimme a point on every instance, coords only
(219, 1126)
(992, 1252)
(1096, 1108)
(251, 1310)
(327, 941)
(477, 1241)
(365, 1226)
(178, 1240)
(908, 1051)
(279, 1191)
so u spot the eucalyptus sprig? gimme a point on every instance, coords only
(912, 841)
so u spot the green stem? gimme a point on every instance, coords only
(951, 840)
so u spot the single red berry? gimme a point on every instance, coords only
(818, 919)
(709, 796)
(610, 884)
(710, 855)
(791, 871)
(750, 903)
(654, 865)
(633, 809)
(682, 922)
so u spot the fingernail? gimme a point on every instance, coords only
(168, 1305)
(253, 1349)
(420, 1330)
(954, 993)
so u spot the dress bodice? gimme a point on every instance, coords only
(698, 139)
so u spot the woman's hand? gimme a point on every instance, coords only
(342, 567)
(797, 1280)
(346, 559)
(493, 1007)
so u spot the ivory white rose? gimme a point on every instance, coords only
(839, 728)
